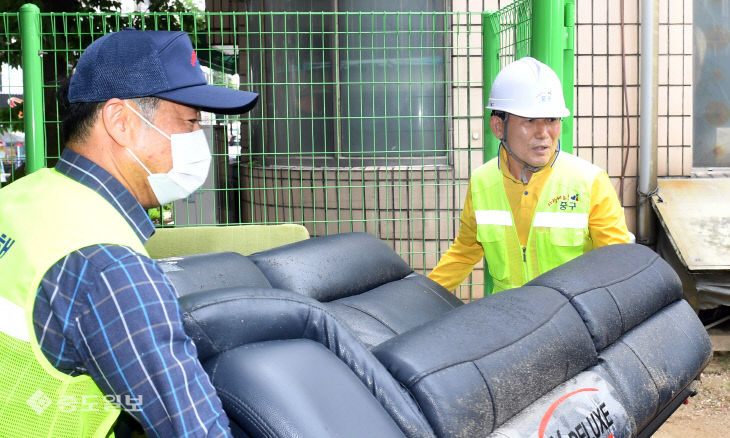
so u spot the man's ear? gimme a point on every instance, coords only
(497, 125)
(118, 121)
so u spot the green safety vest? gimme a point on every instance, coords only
(559, 230)
(43, 217)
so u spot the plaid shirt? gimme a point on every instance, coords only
(110, 312)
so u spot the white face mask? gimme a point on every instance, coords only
(190, 165)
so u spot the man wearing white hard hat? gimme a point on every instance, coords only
(533, 207)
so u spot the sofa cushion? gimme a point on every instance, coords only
(651, 363)
(194, 273)
(330, 267)
(222, 320)
(614, 288)
(294, 388)
(475, 367)
(393, 308)
(635, 384)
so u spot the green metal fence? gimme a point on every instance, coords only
(507, 35)
(368, 121)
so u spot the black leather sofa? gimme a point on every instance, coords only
(336, 336)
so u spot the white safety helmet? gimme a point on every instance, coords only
(528, 88)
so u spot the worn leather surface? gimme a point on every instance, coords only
(222, 320)
(433, 365)
(296, 387)
(615, 288)
(477, 366)
(197, 272)
(331, 267)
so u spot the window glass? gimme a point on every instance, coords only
(711, 146)
(355, 87)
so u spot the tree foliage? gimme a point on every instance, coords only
(11, 119)
(83, 29)
(65, 36)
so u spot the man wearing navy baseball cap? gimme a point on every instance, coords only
(90, 325)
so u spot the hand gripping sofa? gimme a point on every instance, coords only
(336, 336)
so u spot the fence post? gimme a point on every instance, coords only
(553, 40)
(30, 37)
(490, 68)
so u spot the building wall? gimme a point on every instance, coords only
(416, 209)
(606, 109)
(607, 101)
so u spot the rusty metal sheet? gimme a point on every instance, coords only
(695, 213)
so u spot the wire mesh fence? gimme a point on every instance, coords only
(12, 147)
(367, 121)
(513, 27)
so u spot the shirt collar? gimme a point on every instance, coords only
(96, 178)
(543, 173)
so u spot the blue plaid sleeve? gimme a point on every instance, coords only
(110, 312)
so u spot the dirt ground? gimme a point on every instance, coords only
(708, 413)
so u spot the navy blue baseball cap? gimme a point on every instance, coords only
(134, 63)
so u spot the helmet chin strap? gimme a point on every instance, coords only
(503, 142)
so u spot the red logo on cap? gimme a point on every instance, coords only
(193, 59)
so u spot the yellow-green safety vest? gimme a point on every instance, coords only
(43, 217)
(559, 230)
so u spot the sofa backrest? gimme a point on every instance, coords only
(478, 366)
(615, 288)
(331, 267)
(356, 276)
(199, 272)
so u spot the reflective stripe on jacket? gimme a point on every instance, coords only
(559, 230)
(37, 399)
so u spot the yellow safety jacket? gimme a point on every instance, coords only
(559, 230)
(43, 217)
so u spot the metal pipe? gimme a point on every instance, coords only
(35, 139)
(647, 184)
(553, 42)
